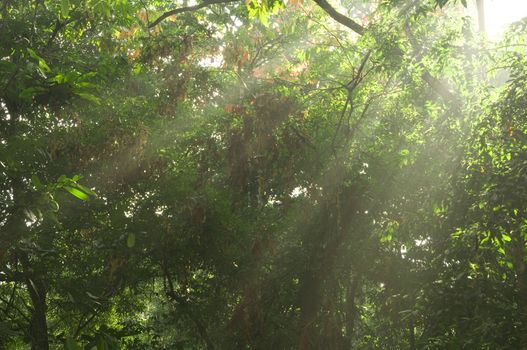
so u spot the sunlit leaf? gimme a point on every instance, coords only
(85, 189)
(41, 63)
(79, 194)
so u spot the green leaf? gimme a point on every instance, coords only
(65, 7)
(31, 91)
(36, 182)
(263, 16)
(44, 66)
(506, 238)
(59, 79)
(130, 242)
(63, 179)
(85, 189)
(79, 194)
(91, 295)
(86, 85)
(386, 238)
(89, 75)
(41, 63)
(33, 54)
(89, 97)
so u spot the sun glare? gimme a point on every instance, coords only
(500, 13)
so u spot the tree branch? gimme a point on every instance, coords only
(339, 17)
(58, 27)
(188, 9)
(185, 307)
(432, 81)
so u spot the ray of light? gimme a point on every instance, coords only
(500, 13)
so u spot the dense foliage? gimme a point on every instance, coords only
(261, 175)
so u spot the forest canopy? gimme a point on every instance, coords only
(261, 174)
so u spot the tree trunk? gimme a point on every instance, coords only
(309, 305)
(411, 335)
(520, 268)
(351, 309)
(38, 326)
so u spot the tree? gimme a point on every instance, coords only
(260, 174)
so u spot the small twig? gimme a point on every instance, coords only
(82, 325)
(16, 309)
(58, 27)
(350, 87)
